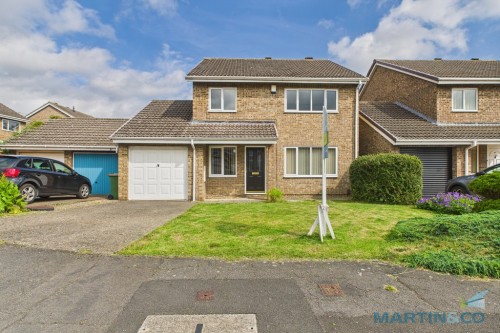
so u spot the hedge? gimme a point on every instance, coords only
(487, 185)
(386, 178)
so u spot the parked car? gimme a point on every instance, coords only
(461, 184)
(43, 177)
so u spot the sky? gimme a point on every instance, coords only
(110, 58)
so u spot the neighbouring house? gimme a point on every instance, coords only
(81, 143)
(253, 124)
(52, 110)
(12, 122)
(446, 112)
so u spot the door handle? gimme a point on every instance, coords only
(157, 165)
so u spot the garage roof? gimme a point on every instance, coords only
(167, 119)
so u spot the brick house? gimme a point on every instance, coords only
(253, 124)
(12, 122)
(447, 112)
(52, 110)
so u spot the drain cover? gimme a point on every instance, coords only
(205, 295)
(219, 323)
(331, 289)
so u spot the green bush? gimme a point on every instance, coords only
(486, 205)
(10, 198)
(472, 243)
(487, 185)
(274, 195)
(386, 178)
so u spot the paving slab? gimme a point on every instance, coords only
(224, 323)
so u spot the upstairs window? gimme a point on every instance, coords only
(10, 125)
(464, 99)
(222, 99)
(310, 100)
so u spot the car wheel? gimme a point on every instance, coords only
(459, 189)
(28, 192)
(83, 192)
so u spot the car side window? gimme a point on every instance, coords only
(41, 164)
(25, 163)
(494, 170)
(59, 167)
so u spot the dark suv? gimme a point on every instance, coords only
(461, 184)
(43, 177)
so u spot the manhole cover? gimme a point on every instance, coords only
(219, 323)
(331, 289)
(205, 295)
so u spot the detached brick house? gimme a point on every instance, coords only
(253, 124)
(12, 122)
(52, 110)
(447, 112)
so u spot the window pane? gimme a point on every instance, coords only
(58, 167)
(290, 161)
(304, 161)
(331, 100)
(41, 164)
(331, 162)
(304, 100)
(13, 125)
(215, 99)
(317, 161)
(216, 161)
(470, 99)
(5, 124)
(291, 99)
(230, 161)
(318, 99)
(458, 100)
(229, 99)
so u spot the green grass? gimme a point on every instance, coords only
(235, 231)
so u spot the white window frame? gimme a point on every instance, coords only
(223, 167)
(8, 125)
(222, 99)
(463, 99)
(310, 111)
(296, 175)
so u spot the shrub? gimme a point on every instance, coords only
(10, 198)
(449, 203)
(486, 205)
(487, 185)
(274, 195)
(386, 178)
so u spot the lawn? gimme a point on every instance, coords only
(273, 231)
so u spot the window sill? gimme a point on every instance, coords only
(311, 112)
(222, 176)
(223, 111)
(465, 111)
(305, 176)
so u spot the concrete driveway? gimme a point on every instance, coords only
(99, 226)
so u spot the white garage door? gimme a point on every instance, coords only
(158, 173)
(56, 155)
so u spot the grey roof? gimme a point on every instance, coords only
(271, 68)
(400, 124)
(436, 69)
(88, 132)
(173, 119)
(6, 111)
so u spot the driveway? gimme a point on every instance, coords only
(101, 226)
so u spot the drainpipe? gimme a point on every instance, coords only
(356, 123)
(474, 144)
(194, 170)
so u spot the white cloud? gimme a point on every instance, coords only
(36, 68)
(327, 24)
(415, 30)
(163, 7)
(354, 3)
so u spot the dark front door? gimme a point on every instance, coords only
(256, 169)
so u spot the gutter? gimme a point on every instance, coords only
(473, 145)
(194, 170)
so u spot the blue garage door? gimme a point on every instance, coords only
(96, 167)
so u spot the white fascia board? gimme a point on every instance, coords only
(462, 81)
(188, 141)
(44, 106)
(445, 142)
(4, 116)
(58, 147)
(252, 79)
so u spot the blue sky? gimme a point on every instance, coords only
(109, 58)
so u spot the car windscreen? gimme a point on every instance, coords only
(6, 161)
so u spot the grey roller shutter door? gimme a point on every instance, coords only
(436, 164)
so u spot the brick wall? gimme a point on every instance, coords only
(483, 157)
(390, 85)
(123, 172)
(488, 106)
(46, 113)
(255, 102)
(457, 161)
(68, 158)
(371, 142)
